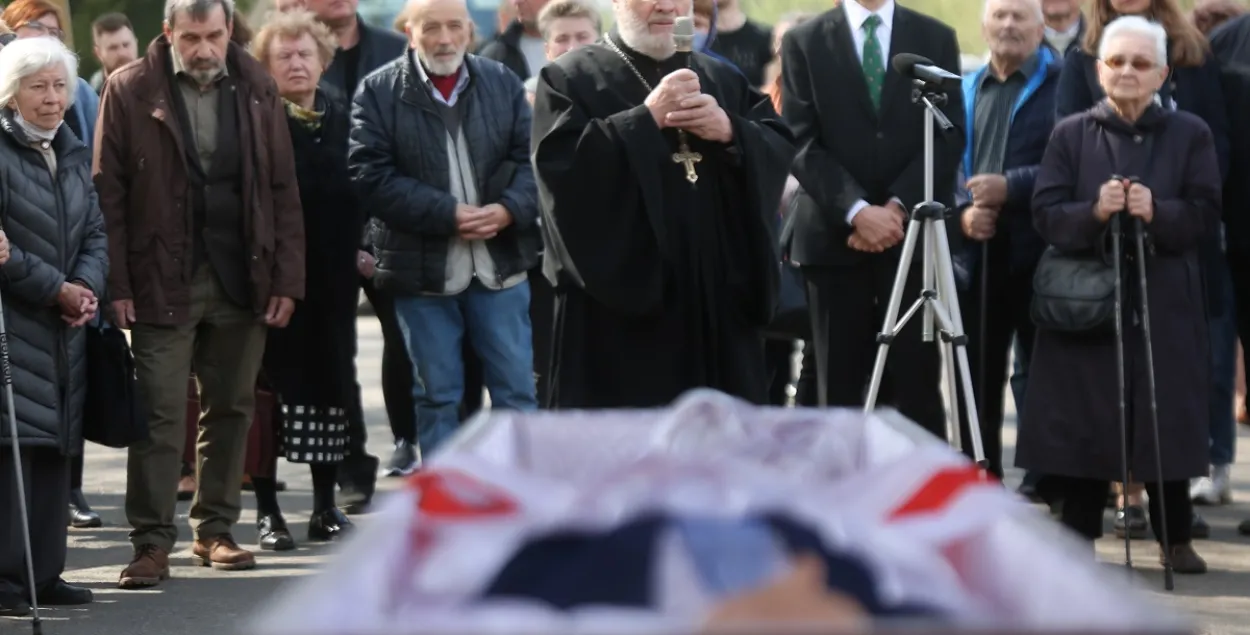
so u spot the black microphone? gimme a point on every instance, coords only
(922, 68)
(683, 39)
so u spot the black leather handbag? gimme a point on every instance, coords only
(1074, 293)
(113, 413)
(791, 320)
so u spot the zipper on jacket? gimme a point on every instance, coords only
(62, 345)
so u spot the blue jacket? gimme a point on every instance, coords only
(86, 106)
(1032, 120)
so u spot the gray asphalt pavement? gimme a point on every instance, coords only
(205, 601)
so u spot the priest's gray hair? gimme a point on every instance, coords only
(1141, 27)
(27, 56)
(1034, 5)
(197, 9)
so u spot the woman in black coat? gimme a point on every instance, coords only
(1193, 85)
(309, 363)
(1071, 409)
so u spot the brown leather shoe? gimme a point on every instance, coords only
(148, 568)
(1185, 559)
(221, 552)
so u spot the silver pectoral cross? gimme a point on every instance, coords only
(684, 155)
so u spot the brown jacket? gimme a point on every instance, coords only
(142, 179)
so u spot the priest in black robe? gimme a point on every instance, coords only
(660, 176)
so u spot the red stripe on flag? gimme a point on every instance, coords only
(941, 490)
(454, 494)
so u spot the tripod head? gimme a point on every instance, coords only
(932, 96)
(931, 210)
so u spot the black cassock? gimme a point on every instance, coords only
(664, 284)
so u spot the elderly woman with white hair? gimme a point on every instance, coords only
(51, 284)
(1130, 156)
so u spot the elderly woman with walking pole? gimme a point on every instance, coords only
(1092, 414)
(51, 282)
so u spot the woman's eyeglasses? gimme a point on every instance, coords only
(44, 29)
(1118, 62)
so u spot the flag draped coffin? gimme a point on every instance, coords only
(640, 521)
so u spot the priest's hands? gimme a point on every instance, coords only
(482, 223)
(674, 88)
(703, 117)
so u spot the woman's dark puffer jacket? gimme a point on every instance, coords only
(56, 234)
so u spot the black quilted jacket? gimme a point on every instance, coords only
(56, 234)
(397, 156)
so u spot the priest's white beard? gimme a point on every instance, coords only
(637, 35)
(441, 67)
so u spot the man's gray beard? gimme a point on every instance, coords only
(637, 35)
(441, 68)
(203, 77)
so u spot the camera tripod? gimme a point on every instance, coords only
(938, 296)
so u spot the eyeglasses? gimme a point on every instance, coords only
(44, 29)
(1118, 62)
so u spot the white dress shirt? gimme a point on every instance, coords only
(856, 15)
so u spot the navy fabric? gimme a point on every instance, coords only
(567, 569)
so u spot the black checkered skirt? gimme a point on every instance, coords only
(313, 434)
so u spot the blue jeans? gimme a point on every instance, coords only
(498, 326)
(1222, 325)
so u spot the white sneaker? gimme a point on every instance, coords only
(1216, 489)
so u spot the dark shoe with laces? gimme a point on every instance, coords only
(13, 605)
(1185, 560)
(62, 593)
(274, 536)
(81, 516)
(330, 524)
(1132, 519)
(148, 568)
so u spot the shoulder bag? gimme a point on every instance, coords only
(1074, 292)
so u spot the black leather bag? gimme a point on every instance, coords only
(791, 320)
(113, 413)
(1074, 293)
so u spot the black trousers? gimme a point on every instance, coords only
(542, 327)
(1006, 317)
(847, 305)
(777, 361)
(1085, 500)
(75, 472)
(45, 473)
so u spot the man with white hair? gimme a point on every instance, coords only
(439, 151)
(659, 175)
(196, 179)
(1010, 113)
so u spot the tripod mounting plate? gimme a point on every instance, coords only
(931, 210)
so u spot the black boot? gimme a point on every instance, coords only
(62, 593)
(328, 525)
(357, 478)
(12, 605)
(274, 536)
(81, 515)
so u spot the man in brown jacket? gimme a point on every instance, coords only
(196, 179)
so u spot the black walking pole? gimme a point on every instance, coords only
(1140, 233)
(6, 375)
(982, 330)
(1117, 253)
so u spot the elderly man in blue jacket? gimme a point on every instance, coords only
(1010, 110)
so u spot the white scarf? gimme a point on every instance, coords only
(33, 132)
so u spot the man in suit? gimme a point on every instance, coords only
(861, 162)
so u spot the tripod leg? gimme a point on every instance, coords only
(891, 325)
(1139, 232)
(948, 303)
(950, 382)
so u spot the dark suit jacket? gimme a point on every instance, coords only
(848, 151)
(377, 47)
